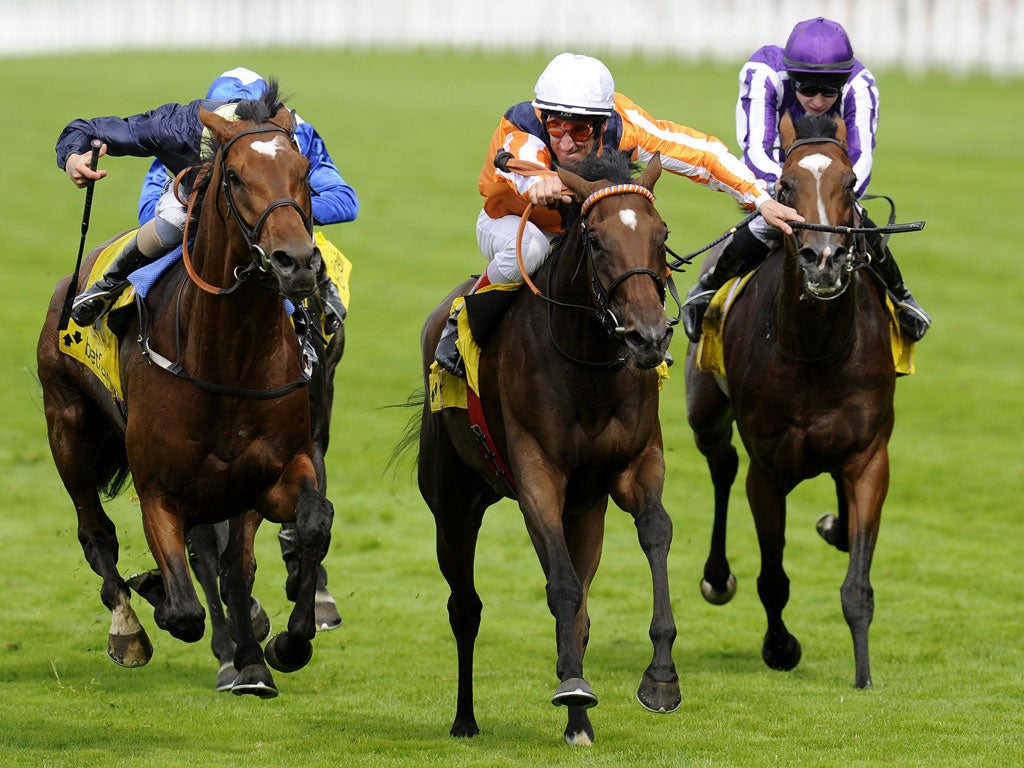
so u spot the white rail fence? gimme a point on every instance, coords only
(959, 36)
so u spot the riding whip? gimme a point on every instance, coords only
(69, 297)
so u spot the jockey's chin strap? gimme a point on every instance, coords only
(251, 235)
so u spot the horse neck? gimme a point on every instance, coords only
(240, 332)
(808, 328)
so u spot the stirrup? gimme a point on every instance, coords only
(91, 305)
(913, 320)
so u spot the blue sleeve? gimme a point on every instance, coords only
(334, 201)
(152, 188)
(172, 133)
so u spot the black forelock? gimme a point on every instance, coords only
(815, 127)
(613, 165)
(262, 109)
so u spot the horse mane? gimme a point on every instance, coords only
(615, 166)
(815, 127)
(262, 109)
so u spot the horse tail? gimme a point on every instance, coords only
(411, 432)
(110, 466)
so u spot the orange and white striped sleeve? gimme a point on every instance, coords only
(690, 153)
(504, 191)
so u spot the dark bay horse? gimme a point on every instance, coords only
(569, 393)
(809, 384)
(228, 437)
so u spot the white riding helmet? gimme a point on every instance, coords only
(573, 84)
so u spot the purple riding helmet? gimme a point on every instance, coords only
(818, 47)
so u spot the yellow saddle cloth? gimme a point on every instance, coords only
(710, 352)
(96, 347)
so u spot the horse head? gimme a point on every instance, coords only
(624, 237)
(261, 181)
(818, 181)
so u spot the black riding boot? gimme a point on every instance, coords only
(744, 252)
(90, 305)
(447, 354)
(486, 311)
(334, 309)
(910, 315)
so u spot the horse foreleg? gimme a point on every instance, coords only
(237, 573)
(314, 514)
(866, 491)
(204, 548)
(768, 504)
(710, 418)
(659, 689)
(179, 612)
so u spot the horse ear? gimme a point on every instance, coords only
(651, 172)
(219, 127)
(580, 187)
(787, 133)
(284, 119)
(840, 130)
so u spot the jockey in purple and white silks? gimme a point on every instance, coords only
(815, 74)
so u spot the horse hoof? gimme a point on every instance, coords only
(226, 677)
(133, 650)
(574, 692)
(464, 728)
(260, 621)
(826, 527)
(660, 698)
(783, 655)
(326, 612)
(715, 597)
(287, 655)
(255, 680)
(579, 739)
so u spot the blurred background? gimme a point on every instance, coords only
(959, 36)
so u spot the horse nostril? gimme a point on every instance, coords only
(283, 262)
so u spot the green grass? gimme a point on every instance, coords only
(408, 131)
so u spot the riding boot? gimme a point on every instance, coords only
(447, 352)
(910, 315)
(95, 300)
(743, 252)
(334, 309)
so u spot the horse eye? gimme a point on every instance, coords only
(232, 178)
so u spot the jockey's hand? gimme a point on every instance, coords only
(776, 214)
(548, 191)
(78, 170)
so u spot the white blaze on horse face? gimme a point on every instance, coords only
(817, 164)
(270, 148)
(628, 217)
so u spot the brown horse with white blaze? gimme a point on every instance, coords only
(809, 385)
(216, 424)
(569, 394)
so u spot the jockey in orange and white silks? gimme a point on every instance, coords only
(579, 91)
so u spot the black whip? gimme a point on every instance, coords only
(69, 297)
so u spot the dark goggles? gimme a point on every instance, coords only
(813, 89)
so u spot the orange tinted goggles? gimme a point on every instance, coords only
(578, 132)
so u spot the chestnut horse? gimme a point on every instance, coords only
(569, 394)
(227, 436)
(809, 384)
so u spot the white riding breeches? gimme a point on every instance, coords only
(497, 240)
